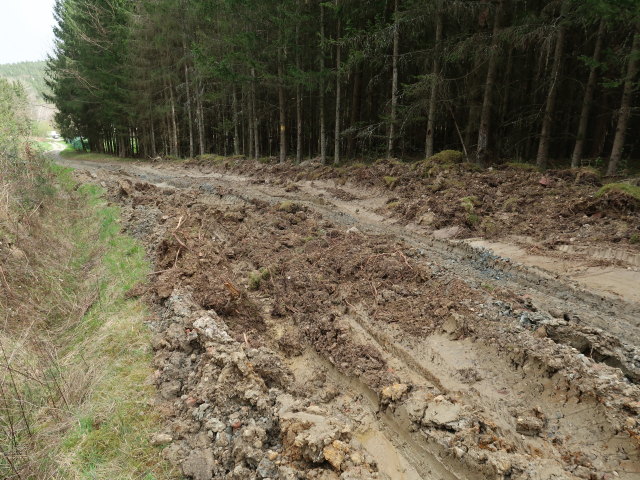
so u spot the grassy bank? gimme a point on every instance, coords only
(75, 391)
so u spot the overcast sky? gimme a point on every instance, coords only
(26, 30)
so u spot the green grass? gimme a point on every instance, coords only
(110, 438)
(104, 356)
(71, 153)
(256, 278)
(625, 188)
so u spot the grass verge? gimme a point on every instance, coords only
(76, 355)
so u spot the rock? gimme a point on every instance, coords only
(267, 469)
(541, 332)
(335, 453)
(414, 406)
(305, 435)
(356, 458)
(199, 465)
(353, 230)
(427, 219)
(442, 413)
(210, 327)
(530, 426)
(449, 232)
(546, 182)
(215, 425)
(161, 439)
(393, 393)
(207, 188)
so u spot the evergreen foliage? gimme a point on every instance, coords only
(30, 74)
(15, 124)
(539, 80)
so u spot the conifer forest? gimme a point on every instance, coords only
(539, 81)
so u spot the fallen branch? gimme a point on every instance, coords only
(180, 242)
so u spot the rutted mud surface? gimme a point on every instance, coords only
(300, 339)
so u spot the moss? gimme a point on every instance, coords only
(256, 278)
(473, 219)
(389, 181)
(211, 158)
(358, 165)
(624, 188)
(469, 203)
(449, 157)
(510, 204)
(634, 239)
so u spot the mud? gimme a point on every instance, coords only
(302, 335)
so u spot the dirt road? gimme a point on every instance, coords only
(375, 350)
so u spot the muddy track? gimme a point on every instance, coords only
(615, 316)
(524, 374)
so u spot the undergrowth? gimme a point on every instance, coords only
(76, 396)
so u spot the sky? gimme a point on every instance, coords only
(26, 30)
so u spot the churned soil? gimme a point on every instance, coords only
(554, 207)
(296, 341)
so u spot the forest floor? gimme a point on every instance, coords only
(377, 322)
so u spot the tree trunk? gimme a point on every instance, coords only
(355, 110)
(576, 157)
(200, 118)
(487, 102)
(236, 136)
(323, 125)
(254, 114)
(281, 109)
(336, 139)
(154, 154)
(250, 125)
(174, 124)
(122, 145)
(394, 81)
(625, 105)
(189, 102)
(435, 72)
(298, 115)
(547, 121)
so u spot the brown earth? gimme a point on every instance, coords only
(303, 331)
